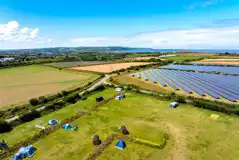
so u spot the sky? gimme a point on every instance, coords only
(171, 24)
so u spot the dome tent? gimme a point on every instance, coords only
(3, 145)
(67, 127)
(52, 122)
(24, 152)
(120, 145)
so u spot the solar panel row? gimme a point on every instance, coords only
(201, 83)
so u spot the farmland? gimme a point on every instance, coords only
(191, 131)
(18, 85)
(233, 61)
(182, 58)
(75, 63)
(107, 68)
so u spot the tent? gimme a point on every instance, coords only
(121, 96)
(67, 127)
(173, 105)
(120, 145)
(124, 130)
(96, 140)
(100, 98)
(3, 145)
(52, 122)
(24, 152)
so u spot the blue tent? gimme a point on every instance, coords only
(52, 122)
(24, 152)
(67, 127)
(120, 145)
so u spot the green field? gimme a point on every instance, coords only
(27, 130)
(193, 133)
(76, 63)
(183, 58)
(19, 84)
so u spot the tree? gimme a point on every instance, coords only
(4, 126)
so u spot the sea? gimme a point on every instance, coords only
(183, 50)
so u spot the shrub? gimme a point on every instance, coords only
(4, 126)
(42, 100)
(64, 93)
(33, 101)
(30, 116)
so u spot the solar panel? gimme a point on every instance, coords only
(138, 75)
(175, 87)
(150, 77)
(178, 83)
(160, 80)
(144, 76)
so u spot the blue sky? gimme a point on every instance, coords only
(135, 23)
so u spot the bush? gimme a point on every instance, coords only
(4, 126)
(33, 101)
(64, 93)
(30, 116)
(42, 100)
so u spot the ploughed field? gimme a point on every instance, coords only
(218, 87)
(19, 84)
(107, 68)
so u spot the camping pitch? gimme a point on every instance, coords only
(120, 145)
(24, 152)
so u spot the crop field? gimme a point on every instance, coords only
(217, 87)
(107, 68)
(142, 58)
(193, 133)
(75, 63)
(219, 61)
(18, 85)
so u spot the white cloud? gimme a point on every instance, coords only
(12, 36)
(198, 38)
(204, 3)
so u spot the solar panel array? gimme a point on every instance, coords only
(216, 86)
(222, 69)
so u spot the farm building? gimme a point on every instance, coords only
(173, 105)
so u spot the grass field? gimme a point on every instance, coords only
(75, 63)
(107, 68)
(193, 133)
(26, 130)
(19, 84)
(182, 58)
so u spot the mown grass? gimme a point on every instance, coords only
(19, 84)
(26, 130)
(194, 134)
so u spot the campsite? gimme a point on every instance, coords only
(124, 114)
